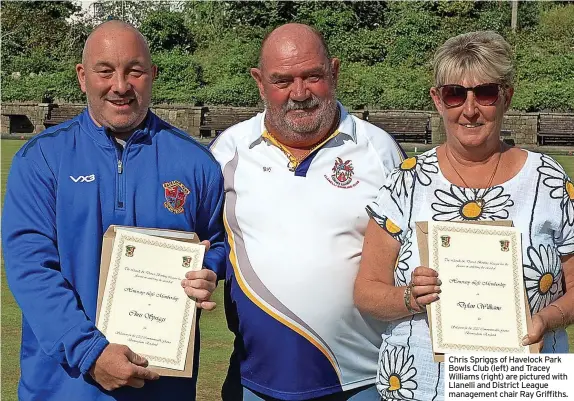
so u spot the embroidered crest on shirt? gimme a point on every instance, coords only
(175, 196)
(342, 174)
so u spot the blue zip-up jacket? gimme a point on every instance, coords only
(66, 186)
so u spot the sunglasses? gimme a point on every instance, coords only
(455, 95)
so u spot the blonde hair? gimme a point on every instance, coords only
(483, 55)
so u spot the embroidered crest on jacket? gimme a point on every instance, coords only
(175, 196)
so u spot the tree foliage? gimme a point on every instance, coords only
(131, 11)
(41, 32)
(166, 30)
(204, 49)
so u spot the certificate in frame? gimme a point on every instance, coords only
(483, 307)
(140, 300)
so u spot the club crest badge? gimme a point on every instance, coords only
(130, 250)
(175, 196)
(504, 245)
(445, 241)
(186, 261)
(342, 174)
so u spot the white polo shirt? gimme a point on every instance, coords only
(295, 241)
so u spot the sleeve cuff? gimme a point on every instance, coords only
(210, 263)
(93, 354)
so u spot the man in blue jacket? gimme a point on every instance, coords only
(115, 163)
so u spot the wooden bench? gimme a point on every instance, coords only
(216, 120)
(411, 128)
(57, 115)
(556, 129)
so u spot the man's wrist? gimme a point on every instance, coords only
(94, 353)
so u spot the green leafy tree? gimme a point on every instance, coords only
(166, 30)
(205, 20)
(131, 11)
(413, 33)
(31, 29)
(385, 87)
(557, 24)
(365, 45)
(263, 14)
(204, 49)
(179, 78)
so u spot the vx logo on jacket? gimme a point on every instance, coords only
(83, 178)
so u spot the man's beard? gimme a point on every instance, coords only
(302, 130)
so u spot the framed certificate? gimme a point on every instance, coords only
(482, 306)
(141, 303)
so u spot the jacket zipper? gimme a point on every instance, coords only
(121, 176)
(120, 180)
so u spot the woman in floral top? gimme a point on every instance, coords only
(472, 176)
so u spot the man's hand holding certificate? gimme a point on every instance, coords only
(482, 305)
(142, 304)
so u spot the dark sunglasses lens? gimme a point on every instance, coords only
(486, 95)
(453, 95)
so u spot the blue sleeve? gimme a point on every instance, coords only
(210, 224)
(48, 302)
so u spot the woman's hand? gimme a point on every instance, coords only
(425, 287)
(536, 331)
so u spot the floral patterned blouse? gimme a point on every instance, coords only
(539, 200)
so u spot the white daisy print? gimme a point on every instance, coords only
(567, 245)
(420, 167)
(401, 265)
(543, 277)
(395, 377)
(561, 186)
(471, 204)
(387, 224)
(427, 166)
(401, 177)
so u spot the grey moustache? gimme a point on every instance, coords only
(306, 104)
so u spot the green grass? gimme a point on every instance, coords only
(216, 340)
